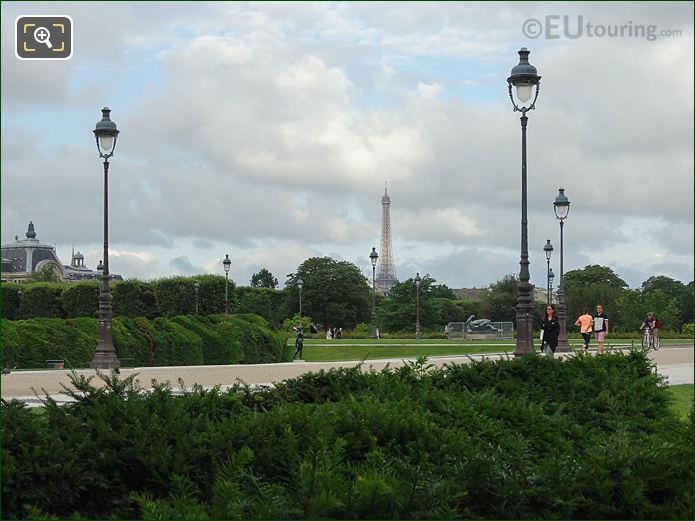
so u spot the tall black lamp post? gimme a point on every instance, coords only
(226, 263)
(196, 290)
(548, 249)
(417, 306)
(105, 357)
(300, 285)
(373, 257)
(551, 277)
(524, 78)
(562, 210)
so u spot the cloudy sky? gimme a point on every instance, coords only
(266, 131)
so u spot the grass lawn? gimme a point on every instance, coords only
(337, 352)
(321, 350)
(684, 399)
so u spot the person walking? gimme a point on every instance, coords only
(550, 327)
(298, 344)
(600, 328)
(584, 323)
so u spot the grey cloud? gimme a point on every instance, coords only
(184, 266)
(203, 244)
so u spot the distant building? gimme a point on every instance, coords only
(23, 257)
(474, 294)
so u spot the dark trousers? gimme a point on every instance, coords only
(587, 339)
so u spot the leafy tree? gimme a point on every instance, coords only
(45, 274)
(499, 304)
(441, 291)
(398, 312)
(671, 288)
(264, 279)
(592, 285)
(335, 293)
(686, 303)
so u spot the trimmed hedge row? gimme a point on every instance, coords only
(182, 340)
(166, 297)
(584, 438)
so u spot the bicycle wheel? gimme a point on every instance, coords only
(645, 342)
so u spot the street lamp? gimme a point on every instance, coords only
(300, 285)
(524, 77)
(373, 257)
(417, 306)
(562, 210)
(196, 289)
(227, 263)
(105, 357)
(548, 249)
(551, 276)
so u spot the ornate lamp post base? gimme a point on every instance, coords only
(105, 361)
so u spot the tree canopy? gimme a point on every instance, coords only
(264, 279)
(335, 293)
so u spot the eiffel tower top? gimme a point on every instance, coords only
(386, 272)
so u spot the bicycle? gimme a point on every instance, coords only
(650, 340)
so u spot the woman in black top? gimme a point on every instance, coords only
(551, 330)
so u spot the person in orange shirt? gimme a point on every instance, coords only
(584, 322)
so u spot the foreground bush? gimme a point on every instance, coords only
(183, 340)
(530, 438)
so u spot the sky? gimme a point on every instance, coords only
(266, 131)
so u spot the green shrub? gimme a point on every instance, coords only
(81, 299)
(176, 295)
(42, 299)
(587, 438)
(184, 340)
(10, 301)
(134, 298)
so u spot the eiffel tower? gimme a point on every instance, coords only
(386, 273)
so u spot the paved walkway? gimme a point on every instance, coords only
(675, 363)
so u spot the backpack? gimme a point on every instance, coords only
(657, 324)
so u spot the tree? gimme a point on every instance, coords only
(45, 274)
(398, 312)
(264, 279)
(593, 275)
(686, 303)
(441, 291)
(590, 286)
(335, 293)
(499, 304)
(672, 288)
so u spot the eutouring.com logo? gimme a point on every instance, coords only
(555, 26)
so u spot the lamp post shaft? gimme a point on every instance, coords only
(105, 356)
(562, 344)
(417, 314)
(226, 292)
(373, 301)
(300, 306)
(524, 307)
(548, 282)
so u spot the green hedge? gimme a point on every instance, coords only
(42, 299)
(183, 340)
(534, 438)
(10, 301)
(134, 298)
(81, 300)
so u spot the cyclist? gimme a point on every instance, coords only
(653, 323)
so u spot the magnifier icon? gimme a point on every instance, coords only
(43, 35)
